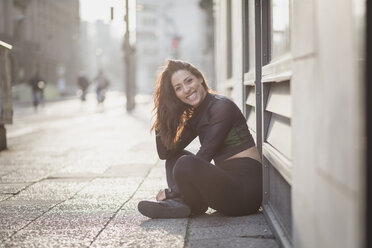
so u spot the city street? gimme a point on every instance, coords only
(73, 174)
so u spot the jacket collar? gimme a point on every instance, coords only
(204, 104)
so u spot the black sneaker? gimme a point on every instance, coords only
(167, 209)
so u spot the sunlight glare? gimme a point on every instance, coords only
(93, 10)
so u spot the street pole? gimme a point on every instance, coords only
(129, 56)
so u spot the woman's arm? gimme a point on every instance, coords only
(222, 116)
(186, 137)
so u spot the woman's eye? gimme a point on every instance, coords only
(177, 88)
(189, 80)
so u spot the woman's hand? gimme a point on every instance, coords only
(161, 195)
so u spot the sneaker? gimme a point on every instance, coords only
(167, 209)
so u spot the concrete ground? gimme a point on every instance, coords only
(73, 174)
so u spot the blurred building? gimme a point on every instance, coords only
(44, 35)
(177, 29)
(101, 49)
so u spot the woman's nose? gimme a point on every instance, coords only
(186, 88)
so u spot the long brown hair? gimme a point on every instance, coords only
(171, 113)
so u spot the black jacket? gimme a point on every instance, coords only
(221, 127)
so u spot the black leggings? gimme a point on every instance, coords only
(233, 188)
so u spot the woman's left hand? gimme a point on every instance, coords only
(161, 195)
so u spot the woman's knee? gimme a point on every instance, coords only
(185, 165)
(170, 162)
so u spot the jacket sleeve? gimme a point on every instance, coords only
(186, 137)
(222, 115)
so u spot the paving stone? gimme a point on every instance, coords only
(58, 190)
(215, 226)
(225, 231)
(71, 175)
(233, 243)
(25, 175)
(4, 196)
(216, 219)
(34, 238)
(130, 229)
(22, 206)
(128, 170)
(14, 222)
(12, 188)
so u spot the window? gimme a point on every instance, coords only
(229, 39)
(280, 28)
(251, 38)
(246, 30)
(249, 35)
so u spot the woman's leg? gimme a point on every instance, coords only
(168, 208)
(232, 192)
(169, 165)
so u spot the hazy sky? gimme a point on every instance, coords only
(92, 10)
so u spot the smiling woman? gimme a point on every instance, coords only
(185, 108)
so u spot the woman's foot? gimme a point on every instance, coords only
(167, 209)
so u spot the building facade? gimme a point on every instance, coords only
(44, 35)
(296, 70)
(6, 108)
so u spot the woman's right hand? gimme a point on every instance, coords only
(161, 195)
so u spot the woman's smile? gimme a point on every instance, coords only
(192, 96)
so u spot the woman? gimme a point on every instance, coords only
(185, 107)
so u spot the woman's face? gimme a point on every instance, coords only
(188, 87)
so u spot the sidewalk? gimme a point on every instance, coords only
(75, 181)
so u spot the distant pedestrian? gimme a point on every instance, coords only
(61, 84)
(83, 84)
(101, 87)
(37, 84)
(185, 108)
